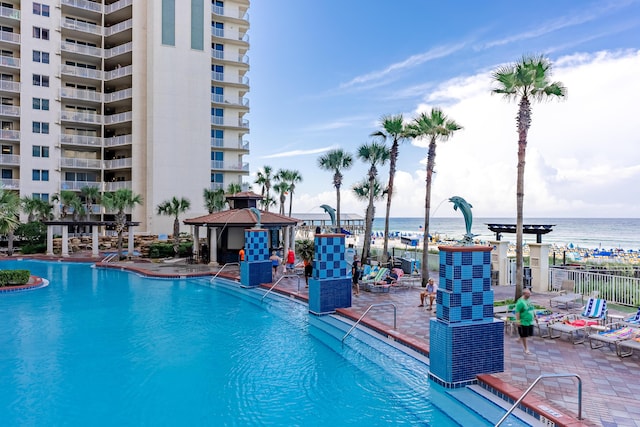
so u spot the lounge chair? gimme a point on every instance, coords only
(625, 348)
(633, 320)
(576, 326)
(371, 281)
(544, 319)
(613, 336)
(567, 295)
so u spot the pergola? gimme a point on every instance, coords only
(94, 225)
(536, 229)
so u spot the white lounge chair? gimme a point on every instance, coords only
(567, 295)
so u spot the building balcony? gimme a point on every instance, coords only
(229, 122)
(79, 185)
(9, 135)
(118, 118)
(229, 12)
(84, 5)
(9, 62)
(118, 141)
(124, 163)
(226, 100)
(229, 166)
(118, 96)
(10, 184)
(119, 5)
(118, 28)
(119, 72)
(9, 86)
(81, 140)
(118, 50)
(9, 111)
(6, 36)
(74, 116)
(85, 27)
(229, 144)
(9, 159)
(227, 78)
(88, 73)
(231, 57)
(233, 35)
(9, 12)
(81, 49)
(116, 185)
(80, 95)
(79, 163)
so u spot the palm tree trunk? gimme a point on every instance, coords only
(431, 159)
(176, 236)
(366, 247)
(524, 121)
(392, 172)
(338, 209)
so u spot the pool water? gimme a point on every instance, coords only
(107, 347)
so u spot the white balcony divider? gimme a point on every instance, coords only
(82, 140)
(118, 140)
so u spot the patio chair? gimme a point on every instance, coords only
(613, 336)
(633, 320)
(567, 295)
(625, 348)
(372, 280)
(544, 319)
(576, 326)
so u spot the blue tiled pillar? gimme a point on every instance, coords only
(256, 267)
(465, 339)
(329, 286)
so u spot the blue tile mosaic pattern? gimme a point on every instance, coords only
(256, 246)
(325, 295)
(255, 273)
(328, 259)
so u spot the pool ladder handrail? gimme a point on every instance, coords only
(109, 258)
(365, 313)
(278, 281)
(541, 377)
(215, 276)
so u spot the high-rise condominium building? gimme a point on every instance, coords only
(148, 95)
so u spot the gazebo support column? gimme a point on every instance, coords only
(195, 231)
(213, 245)
(131, 241)
(95, 242)
(49, 239)
(65, 241)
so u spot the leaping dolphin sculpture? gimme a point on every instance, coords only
(332, 213)
(465, 208)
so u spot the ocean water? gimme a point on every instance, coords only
(590, 233)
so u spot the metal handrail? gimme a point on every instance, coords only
(536, 382)
(278, 281)
(109, 257)
(366, 311)
(215, 276)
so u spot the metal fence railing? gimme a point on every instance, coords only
(614, 288)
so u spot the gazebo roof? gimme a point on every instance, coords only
(242, 218)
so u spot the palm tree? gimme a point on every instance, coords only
(434, 126)
(375, 154)
(393, 128)
(214, 200)
(291, 177)
(30, 207)
(264, 179)
(336, 161)
(119, 201)
(526, 80)
(67, 198)
(174, 208)
(91, 195)
(9, 220)
(234, 188)
(281, 189)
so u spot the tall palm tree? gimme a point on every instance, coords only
(525, 81)
(9, 220)
(375, 154)
(30, 207)
(336, 161)
(234, 188)
(291, 177)
(119, 201)
(174, 208)
(67, 198)
(281, 189)
(91, 195)
(434, 126)
(214, 200)
(264, 179)
(393, 129)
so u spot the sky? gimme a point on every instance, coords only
(323, 74)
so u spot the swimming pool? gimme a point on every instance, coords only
(106, 347)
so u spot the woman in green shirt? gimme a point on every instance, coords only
(524, 318)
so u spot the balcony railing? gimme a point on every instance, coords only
(6, 36)
(231, 13)
(119, 72)
(233, 145)
(78, 163)
(230, 34)
(119, 95)
(9, 61)
(118, 118)
(116, 185)
(88, 73)
(118, 163)
(81, 140)
(79, 94)
(10, 184)
(226, 56)
(221, 77)
(83, 4)
(81, 49)
(9, 86)
(118, 140)
(219, 164)
(113, 7)
(79, 185)
(9, 110)
(118, 50)
(72, 24)
(10, 135)
(118, 28)
(74, 116)
(221, 99)
(217, 186)
(9, 159)
(9, 12)
(222, 121)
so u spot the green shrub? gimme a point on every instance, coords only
(14, 277)
(34, 248)
(165, 250)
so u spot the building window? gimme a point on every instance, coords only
(169, 22)
(40, 33)
(40, 9)
(218, 94)
(217, 177)
(42, 57)
(40, 104)
(40, 196)
(7, 174)
(197, 24)
(218, 29)
(40, 151)
(40, 127)
(39, 80)
(40, 175)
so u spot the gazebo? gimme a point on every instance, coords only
(93, 225)
(225, 229)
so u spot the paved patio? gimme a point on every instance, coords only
(611, 388)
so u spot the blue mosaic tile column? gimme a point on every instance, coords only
(465, 339)
(329, 286)
(256, 267)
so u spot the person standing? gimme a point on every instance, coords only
(308, 271)
(524, 318)
(275, 263)
(241, 254)
(355, 278)
(291, 260)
